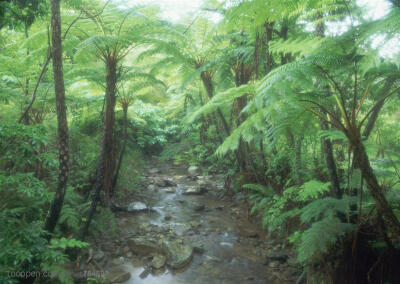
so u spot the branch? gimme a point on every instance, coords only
(44, 69)
(376, 105)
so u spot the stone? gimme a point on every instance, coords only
(154, 171)
(118, 261)
(169, 190)
(194, 190)
(280, 256)
(143, 246)
(194, 224)
(248, 233)
(99, 255)
(125, 249)
(129, 254)
(226, 244)
(151, 187)
(199, 207)
(118, 276)
(145, 273)
(198, 248)
(137, 207)
(194, 171)
(169, 182)
(158, 261)
(167, 218)
(273, 264)
(178, 255)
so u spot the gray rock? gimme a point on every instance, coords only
(137, 207)
(198, 248)
(169, 190)
(178, 255)
(154, 171)
(99, 255)
(194, 190)
(118, 261)
(142, 246)
(194, 224)
(169, 182)
(280, 256)
(199, 207)
(158, 261)
(273, 264)
(194, 171)
(145, 273)
(118, 276)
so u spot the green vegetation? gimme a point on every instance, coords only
(294, 102)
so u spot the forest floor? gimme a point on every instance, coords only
(185, 229)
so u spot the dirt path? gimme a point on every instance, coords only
(227, 248)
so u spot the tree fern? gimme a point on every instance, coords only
(320, 238)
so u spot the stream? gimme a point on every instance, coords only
(190, 215)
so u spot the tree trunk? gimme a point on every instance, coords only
(109, 121)
(330, 163)
(56, 205)
(326, 143)
(83, 230)
(105, 169)
(121, 155)
(206, 79)
(382, 206)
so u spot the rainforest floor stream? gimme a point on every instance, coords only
(184, 229)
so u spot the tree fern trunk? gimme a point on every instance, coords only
(109, 121)
(382, 206)
(330, 163)
(206, 79)
(123, 148)
(56, 205)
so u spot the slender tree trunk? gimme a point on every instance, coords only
(298, 161)
(210, 93)
(330, 163)
(326, 143)
(123, 148)
(83, 230)
(382, 206)
(105, 169)
(56, 205)
(109, 122)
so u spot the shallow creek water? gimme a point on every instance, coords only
(228, 257)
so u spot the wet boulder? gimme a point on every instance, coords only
(280, 256)
(137, 207)
(178, 255)
(154, 171)
(194, 171)
(158, 261)
(194, 190)
(168, 182)
(169, 190)
(143, 246)
(118, 276)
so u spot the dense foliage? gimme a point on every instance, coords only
(294, 102)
